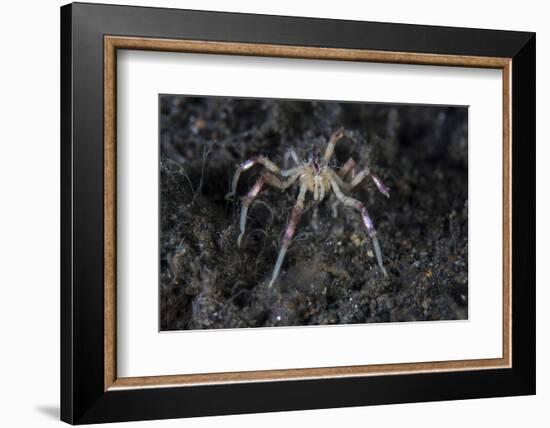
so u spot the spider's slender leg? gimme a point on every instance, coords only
(291, 154)
(315, 217)
(268, 178)
(334, 138)
(247, 164)
(382, 188)
(289, 233)
(332, 174)
(366, 172)
(321, 190)
(318, 188)
(349, 166)
(334, 208)
(369, 225)
(292, 171)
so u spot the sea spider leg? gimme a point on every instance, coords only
(334, 207)
(347, 167)
(262, 160)
(366, 172)
(291, 154)
(334, 138)
(335, 201)
(318, 188)
(268, 178)
(359, 206)
(338, 179)
(292, 171)
(289, 233)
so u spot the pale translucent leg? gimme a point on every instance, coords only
(321, 190)
(366, 172)
(289, 233)
(268, 178)
(318, 188)
(349, 166)
(292, 171)
(367, 221)
(262, 160)
(341, 183)
(291, 154)
(378, 254)
(334, 208)
(315, 217)
(334, 138)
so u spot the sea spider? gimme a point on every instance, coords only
(316, 176)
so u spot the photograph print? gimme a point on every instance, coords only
(277, 212)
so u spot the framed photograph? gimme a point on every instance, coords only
(266, 213)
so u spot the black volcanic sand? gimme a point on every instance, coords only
(329, 275)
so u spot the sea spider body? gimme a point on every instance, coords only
(315, 176)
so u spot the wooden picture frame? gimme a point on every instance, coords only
(91, 390)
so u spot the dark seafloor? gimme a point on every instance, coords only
(329, 275)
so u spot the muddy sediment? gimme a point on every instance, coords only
(330, 274)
